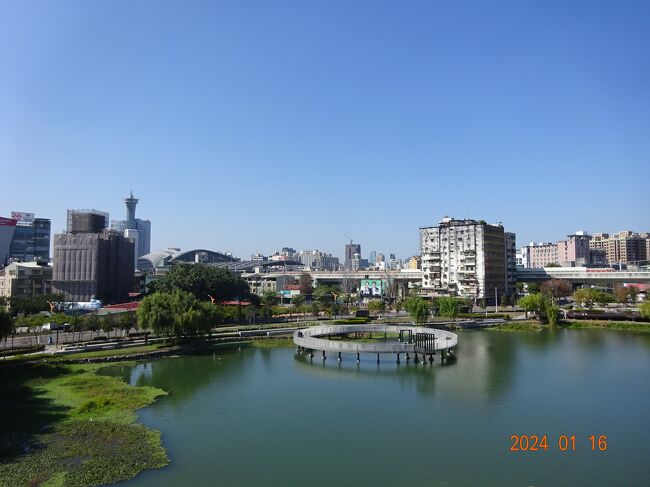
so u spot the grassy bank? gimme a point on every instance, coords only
(272, 343)
(65, 425)
(529, 325)
(607, 325)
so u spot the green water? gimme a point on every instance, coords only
(270, 417)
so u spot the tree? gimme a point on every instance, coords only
(418, 309)
(269, 299)
(546, 309)
(531, 303)
(92, 322)
(557, 288)
(532, 288)
(33, 305)
(297, 300)
(448, 306)
(589, 296)
(306, 284)
(644, 309)
(108, 323)
(6, 325)
(376, 306)
(203, 281)
(325, 294)
(156, 313)
(177, 314)
(626, 294)
(126, 321)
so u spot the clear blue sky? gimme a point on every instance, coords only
(252, 125)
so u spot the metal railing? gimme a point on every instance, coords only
(311, 338)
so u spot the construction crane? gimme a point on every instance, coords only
(348, 237)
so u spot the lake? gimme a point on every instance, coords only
(255, 416)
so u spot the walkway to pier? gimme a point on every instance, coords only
(412, 340)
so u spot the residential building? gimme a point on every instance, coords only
(25, 279)
(350, 250)
(140, 230)
(624, 247)
(467, 258)
(511, 263)
(97, 265)
(7, 230)
(574, 252)
(318, 261)
(538, 255)
(31, 240)
(394, 263)
(415, 262)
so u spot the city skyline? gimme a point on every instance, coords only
(292, 125)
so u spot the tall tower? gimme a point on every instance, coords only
(131, 203)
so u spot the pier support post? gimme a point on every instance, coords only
(397, 358)
(415, 360)
(358, 358)
(408, 357)
(377, 359)
(324, 357)
(431, 358)
(339, 356)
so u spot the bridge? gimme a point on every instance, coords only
(583, 275)
(412, 340)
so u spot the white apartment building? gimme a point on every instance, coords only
(25, 280)
(468, 258)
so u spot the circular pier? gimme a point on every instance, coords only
(416, 340)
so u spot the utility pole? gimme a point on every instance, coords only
(496, 301)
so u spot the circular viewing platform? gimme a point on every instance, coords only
(416, 340)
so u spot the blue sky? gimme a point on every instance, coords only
(248, 126)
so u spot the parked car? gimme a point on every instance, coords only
(53, 326)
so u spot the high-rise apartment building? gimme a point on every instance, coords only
(350, 250)
(318, 261)
(467, 258)
(31, 240)
(135, 228)
(625, 247)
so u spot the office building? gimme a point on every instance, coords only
(351, 250)
(138, 230)
(96, 265)
(467, 258)
(25, 279)
(7, 230)
(31, 240)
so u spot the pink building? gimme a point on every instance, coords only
(574, 252)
